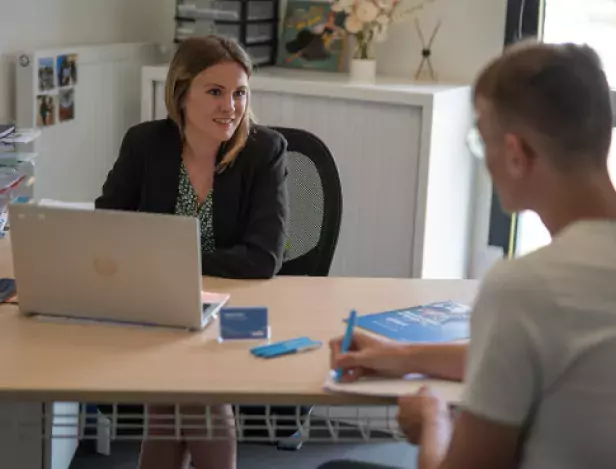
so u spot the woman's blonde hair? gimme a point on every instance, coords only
(193, 56)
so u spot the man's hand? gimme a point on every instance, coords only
(425, 420)
(419, 411)
(370, 356)
(367, 356)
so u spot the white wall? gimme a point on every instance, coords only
(471, 33)
(29, 24)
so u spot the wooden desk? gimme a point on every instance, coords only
(55, 361)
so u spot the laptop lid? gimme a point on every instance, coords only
(107, 265)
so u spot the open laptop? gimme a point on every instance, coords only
(110, 265)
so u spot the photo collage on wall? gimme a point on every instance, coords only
(55, 99)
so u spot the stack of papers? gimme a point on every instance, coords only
(6, 130)
(14, 158)
(10, 180)
(21, 136)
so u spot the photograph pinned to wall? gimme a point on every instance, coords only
(313, 36)
(46, 105)
(67, 70)
(46, 75)
(66, 111)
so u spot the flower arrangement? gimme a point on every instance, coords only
(369, 20)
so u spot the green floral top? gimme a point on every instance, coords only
(188, 205)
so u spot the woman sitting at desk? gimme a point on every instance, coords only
(210, 161)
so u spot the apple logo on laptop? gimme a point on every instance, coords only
(105, 267)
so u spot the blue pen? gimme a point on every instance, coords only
(348, 338)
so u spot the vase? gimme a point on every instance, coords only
(363, 71)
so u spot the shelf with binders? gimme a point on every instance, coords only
(16, 171)
(15, 186)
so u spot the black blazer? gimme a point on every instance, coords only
(250, 196)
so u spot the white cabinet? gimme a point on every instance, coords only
(400, 149)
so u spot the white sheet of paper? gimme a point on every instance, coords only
(22, 136)
(451, 391)
(61, 204)
(214, 298)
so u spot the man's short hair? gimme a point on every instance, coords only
(560, 92)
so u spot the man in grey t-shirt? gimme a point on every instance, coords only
(540, 385)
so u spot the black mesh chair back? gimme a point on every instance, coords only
(315, 199)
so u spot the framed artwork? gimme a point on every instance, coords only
(313, 36)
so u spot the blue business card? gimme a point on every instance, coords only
(243, 323)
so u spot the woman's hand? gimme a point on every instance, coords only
(367, 356)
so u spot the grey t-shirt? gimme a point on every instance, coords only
(542, 354)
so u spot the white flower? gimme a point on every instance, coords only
(366, 11)
(387, 5)
(382, 19)
(343, 5)
(379, 33)
(353, 25)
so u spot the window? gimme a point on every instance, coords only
(591, 22)
(523, 21)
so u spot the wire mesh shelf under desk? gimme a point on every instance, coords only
(206, 423)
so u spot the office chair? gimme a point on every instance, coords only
(315, 202)
(315, 199)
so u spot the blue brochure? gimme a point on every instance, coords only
(431, 323)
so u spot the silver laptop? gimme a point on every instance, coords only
(107, 265)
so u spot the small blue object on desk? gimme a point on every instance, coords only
(244, 323)
(301, 344)
(348, 339)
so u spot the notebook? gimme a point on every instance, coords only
(439, 322)
(451, 391)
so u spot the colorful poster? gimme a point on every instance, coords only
(67, 70)
(46, 75)
(67, 105)
(46, 105)
(312, 37)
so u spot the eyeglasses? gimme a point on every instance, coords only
(475, 143)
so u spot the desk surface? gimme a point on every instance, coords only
(53, 361)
